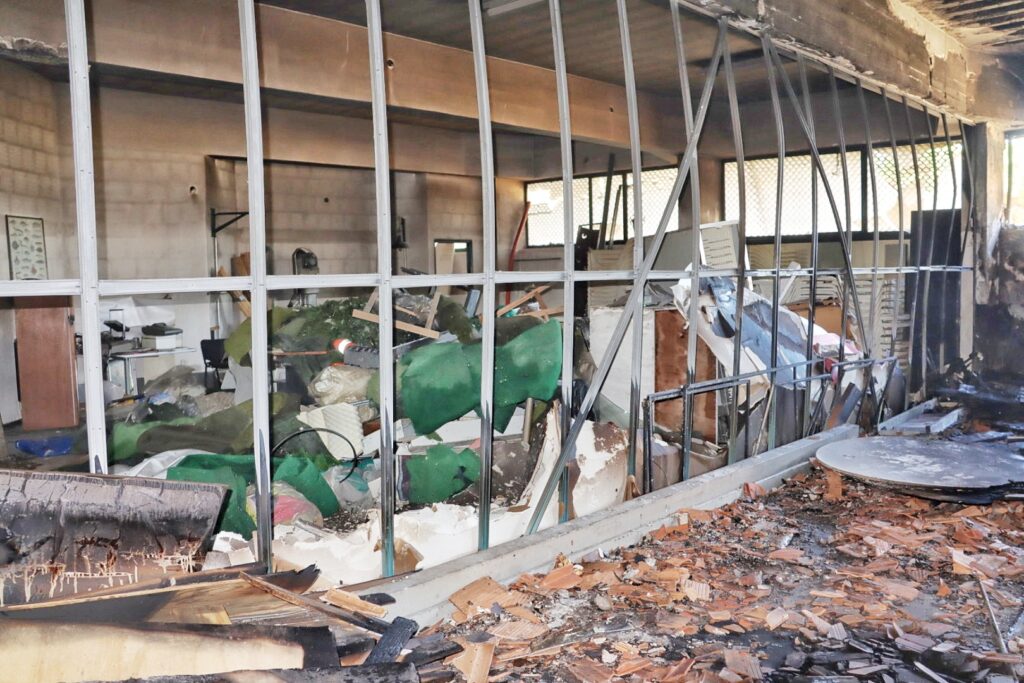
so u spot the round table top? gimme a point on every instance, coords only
(929, 463)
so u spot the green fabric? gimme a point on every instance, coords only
(440, 473)
(306, 478)
(124, 439)
(234, 517)
(226, 431)
(238, 471)
(439, 383)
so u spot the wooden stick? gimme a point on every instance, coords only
(415, 329)
(353, 603)
(520, 301)
(364, 622)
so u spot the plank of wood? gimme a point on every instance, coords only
(29, 648)
(365, 622)
(353, 603)
(404, 326)
(516, 303)
(393, 641)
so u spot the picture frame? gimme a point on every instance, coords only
(26, 248)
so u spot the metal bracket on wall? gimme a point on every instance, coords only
(235, 216)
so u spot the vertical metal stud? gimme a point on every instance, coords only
(780, 138)
(483, 98)
(917, 247)
(569, 234)
(378, 94)
(257, 268)
(929, 253)
(633, 118)
(85, 218)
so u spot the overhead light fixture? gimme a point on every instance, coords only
(494, 8)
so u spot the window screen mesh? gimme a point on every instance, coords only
(545, 225)
(762, 177)
(929, 168)
(657, 189)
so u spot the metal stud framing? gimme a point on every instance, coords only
(90, 288)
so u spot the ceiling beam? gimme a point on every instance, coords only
(1012, 22)
(968, 8)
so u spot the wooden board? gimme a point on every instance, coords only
(47, 362)
(46, 652)
(671, 341)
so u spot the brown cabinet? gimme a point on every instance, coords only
(47, 377)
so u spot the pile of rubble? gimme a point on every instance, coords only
(823, 580)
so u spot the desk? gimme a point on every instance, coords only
(127, 358)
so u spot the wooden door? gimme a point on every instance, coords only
(47, 377)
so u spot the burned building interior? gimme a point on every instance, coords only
(512, 340)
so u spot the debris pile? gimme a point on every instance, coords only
(824, 580)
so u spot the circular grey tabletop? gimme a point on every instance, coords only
(930, 463)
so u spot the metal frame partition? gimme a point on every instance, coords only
(90, 288)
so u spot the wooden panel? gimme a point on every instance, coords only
(47, 376)
(670, 353)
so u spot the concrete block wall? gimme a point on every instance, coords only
(31, 182)
(150, 213)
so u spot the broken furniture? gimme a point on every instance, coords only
(47, 362)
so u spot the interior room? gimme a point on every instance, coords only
(416, 288)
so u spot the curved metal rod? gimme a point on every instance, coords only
(911, 346)
(483, 99)
(899, 204)
(837, 114)
(870, 151)
(929, 253)
(813, 284)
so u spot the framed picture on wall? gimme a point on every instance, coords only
(26, 248)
